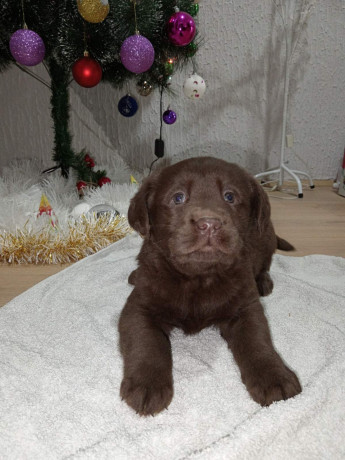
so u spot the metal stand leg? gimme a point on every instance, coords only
(292, 172)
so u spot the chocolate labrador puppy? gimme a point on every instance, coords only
(207, 249)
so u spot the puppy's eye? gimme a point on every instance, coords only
(229, 197)
(179, 198)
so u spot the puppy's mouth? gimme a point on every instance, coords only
(205, 249)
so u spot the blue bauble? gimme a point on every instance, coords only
(127, 106)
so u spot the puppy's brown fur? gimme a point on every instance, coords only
(208, 245)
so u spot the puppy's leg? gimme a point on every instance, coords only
(132, 276)
(262, 370)
(264, 283)
(147, 385)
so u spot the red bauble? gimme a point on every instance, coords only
(87, 72)
(104, 180)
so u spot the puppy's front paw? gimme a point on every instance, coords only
(146, 398)
(264, 283)
(268, 385)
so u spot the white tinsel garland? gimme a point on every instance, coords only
(27, 237)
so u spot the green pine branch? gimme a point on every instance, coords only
(66, 36)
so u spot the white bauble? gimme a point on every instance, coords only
(80, 209)
(194, 87)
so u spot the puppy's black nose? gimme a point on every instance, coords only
(208, 225)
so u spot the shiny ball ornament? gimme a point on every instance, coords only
(194, 9)
(101, 210)
(192, 48)
(80, 209)
(194, 87)
(144, 88)
(27, 47)
(87, 72)
(181, 28)
(127, 106)
(169, 117)
(137, 54)
(94, 11)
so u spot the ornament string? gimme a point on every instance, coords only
(84, 38)
(24, 23)
(195, 67)
(135, 16)
(32, 74)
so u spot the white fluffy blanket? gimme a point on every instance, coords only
(60, 372)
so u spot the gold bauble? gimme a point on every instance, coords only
(94, 11)
(144, 88)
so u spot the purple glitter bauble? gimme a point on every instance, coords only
(169, 117)
(137, 54)
(181, 28)
(27, 47)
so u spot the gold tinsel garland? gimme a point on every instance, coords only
(50, 245)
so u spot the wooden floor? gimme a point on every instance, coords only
(314, 224)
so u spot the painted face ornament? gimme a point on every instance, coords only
(194, 87)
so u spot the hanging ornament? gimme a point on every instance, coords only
(137, 54)
(181, 28)
(169, 117)
(127, 106)
(194, 9)
(27, 47)
(194, 87)
(144, 87)
(86, 71)
(94, 11)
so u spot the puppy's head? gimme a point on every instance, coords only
(200, 212)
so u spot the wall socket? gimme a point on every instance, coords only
(289, 141)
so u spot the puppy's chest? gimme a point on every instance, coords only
(193, 306)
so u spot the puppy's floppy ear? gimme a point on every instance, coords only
(138, 211)
(260, 206)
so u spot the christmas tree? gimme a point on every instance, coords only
(86, 40)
